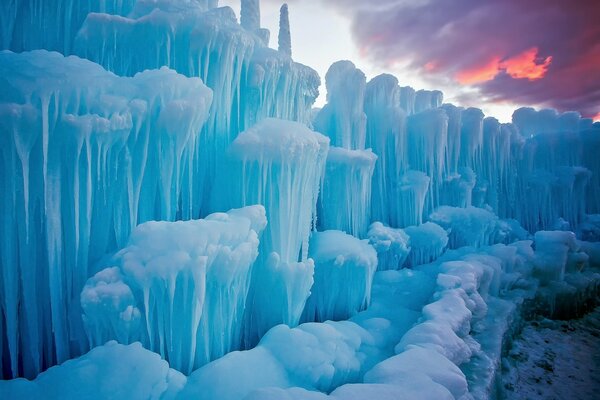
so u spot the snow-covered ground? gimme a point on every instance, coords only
(555, 360)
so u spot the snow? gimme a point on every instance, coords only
(554, 360)
(109, 371)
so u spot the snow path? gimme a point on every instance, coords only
(555, 360)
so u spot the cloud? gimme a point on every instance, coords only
(539, 52)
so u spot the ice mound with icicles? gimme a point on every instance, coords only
(179, 288)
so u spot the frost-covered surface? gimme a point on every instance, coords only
(111, 371)
(445, 322)
(554, 360)
(339, 258)
(85, 156)
(392, 245)
(180, 287)
(427, 242)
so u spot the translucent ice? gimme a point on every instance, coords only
(386, 135)
(85, 155)
(290, 157)
(344, 268)
(188, 280)
(345, 201)
(343, 118)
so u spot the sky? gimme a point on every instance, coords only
(493, 54)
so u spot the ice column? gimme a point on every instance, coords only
(407, 99)
(250, 15)
(427, 143)
(344, 269)
(345, 202)
(428, 99)
(392, 246)
(278, 164)
(386, 135)
(284, 38)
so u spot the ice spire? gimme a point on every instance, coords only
(250, 15)
(285, 39)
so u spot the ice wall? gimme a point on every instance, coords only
(180, 287)
(51, 25)
(250, 82)
(556, 174)
(85, 156)
(278, 164)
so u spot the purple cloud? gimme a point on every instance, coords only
(541, 52)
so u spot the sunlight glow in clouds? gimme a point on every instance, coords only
(525, 65)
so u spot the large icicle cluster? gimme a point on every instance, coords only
(143, 152)
(280, 165)
(180, 287)
(85, 156)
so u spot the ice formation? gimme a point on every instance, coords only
(425, 230)
(345, 200)
(284, 38)
(290, 157)
(180, 287)
(343, 118)
(339, 257)
(392, 245)
(84, 160)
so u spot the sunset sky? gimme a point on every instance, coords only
(497, 54)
